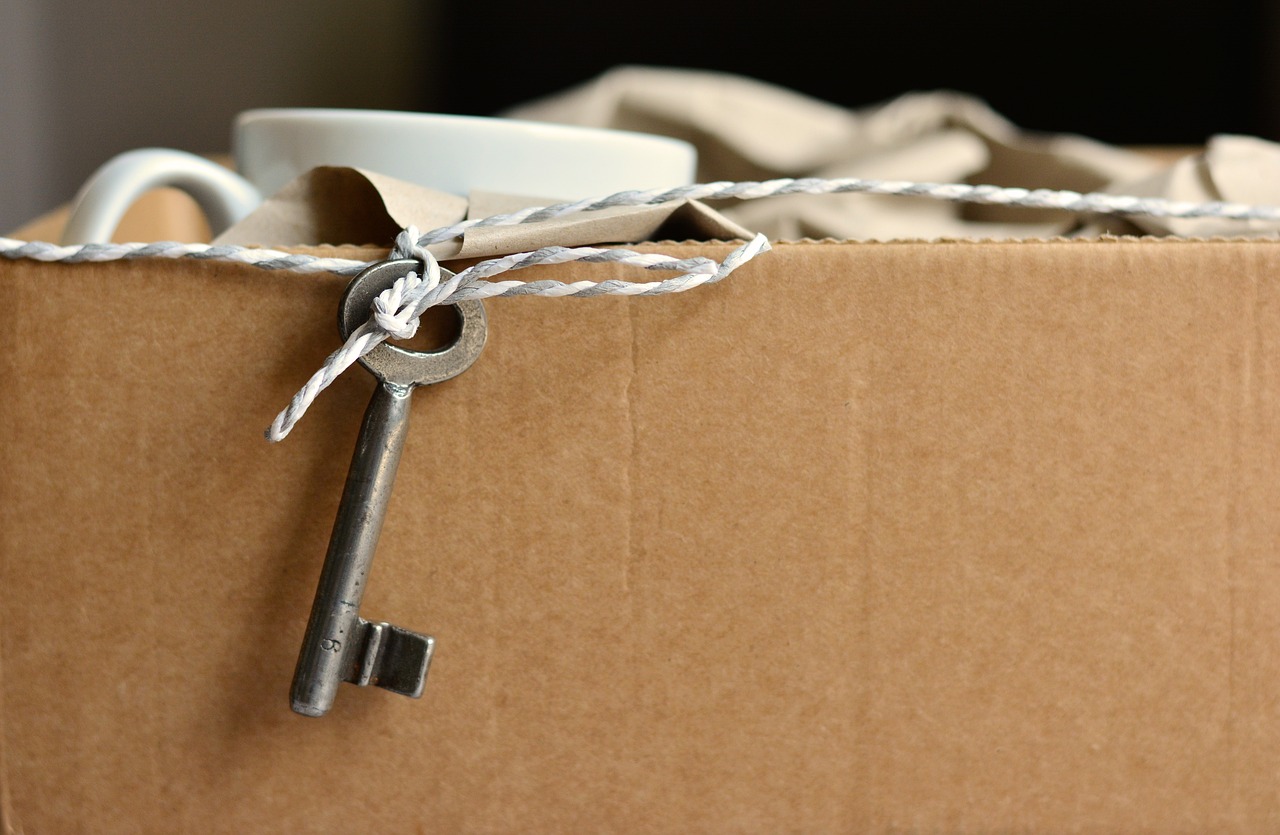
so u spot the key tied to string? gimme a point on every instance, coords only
(396, 311)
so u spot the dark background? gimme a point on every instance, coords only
(1133, 72)
(81, 81)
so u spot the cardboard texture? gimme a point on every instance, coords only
(938, 537)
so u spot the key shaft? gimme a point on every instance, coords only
(335, 639)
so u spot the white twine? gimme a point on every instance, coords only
(396, 311)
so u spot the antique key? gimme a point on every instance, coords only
(339, 644)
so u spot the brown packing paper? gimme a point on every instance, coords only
(331, 205)
(748, 130)
(685, 219)
(346, 204)
(953, 537)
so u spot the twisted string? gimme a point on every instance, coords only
(396, 311)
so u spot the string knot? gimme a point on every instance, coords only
(390, 311)
(396, 309)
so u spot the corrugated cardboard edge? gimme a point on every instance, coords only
(373, 251)
(1146, 240)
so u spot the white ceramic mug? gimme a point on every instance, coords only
(450, 153)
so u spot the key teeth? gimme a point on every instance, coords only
(392, 658)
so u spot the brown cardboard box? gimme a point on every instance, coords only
(935, 537)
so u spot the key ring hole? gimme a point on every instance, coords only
(438, 328)
(412, 366)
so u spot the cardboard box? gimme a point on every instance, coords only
(934, 537)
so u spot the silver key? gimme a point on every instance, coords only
(339, 644)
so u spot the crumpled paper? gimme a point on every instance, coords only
(332, 205)
(749, 130)
(1230, 169)
(746, 129)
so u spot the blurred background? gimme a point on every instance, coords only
(81, 81)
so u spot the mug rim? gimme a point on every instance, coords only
(493, 124)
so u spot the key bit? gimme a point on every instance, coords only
(339, 645)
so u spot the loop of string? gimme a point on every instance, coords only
(396, 311)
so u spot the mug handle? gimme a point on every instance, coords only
(224, 196)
